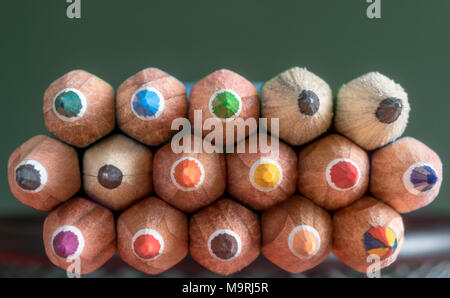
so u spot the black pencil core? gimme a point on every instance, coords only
(308, 102)
(389, 110)
(224, 246)
(109, 176)
(28, 177)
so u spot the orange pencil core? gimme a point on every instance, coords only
(188, 173)
(147, 246)
(305, 243)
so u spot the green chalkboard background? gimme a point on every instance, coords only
(256, 38)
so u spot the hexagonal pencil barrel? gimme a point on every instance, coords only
(44, 172)
(406, 175)
(79, 108)
(224, 237)
(80, 236)
(297, 234)
(189, 180)
(147, 103)
(365, 232)
(152, 236)
(372, 110)
(301, 101)
(223, 97)
(117, 172)
(333, 172)
(261, 180)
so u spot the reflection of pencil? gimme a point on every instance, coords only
(406, 175)
(260, 180)
(80, 233)
(189, 181)
(333, 172)
(224, 237)
(296, 234)
(43, 173)
(372, 110)
(117, 172)
(147, 103)
(224, 96)
(301, 101)
(367, 227)
(152, 236)
(79, 108)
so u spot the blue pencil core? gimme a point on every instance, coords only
(423, 178)
(146, 103)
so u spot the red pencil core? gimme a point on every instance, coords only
(147, 246)
(344, 174)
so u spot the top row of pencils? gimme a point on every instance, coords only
(80, 108)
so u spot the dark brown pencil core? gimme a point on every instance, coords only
(224, 246)
(109, 176)
(27, 177)
(389, 110)
(308, 102)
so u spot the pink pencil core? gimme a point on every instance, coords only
(65, 243)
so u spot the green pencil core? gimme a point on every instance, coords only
(68, 104)
(225, 104)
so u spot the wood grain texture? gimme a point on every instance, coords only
(356, 109)
(170, 223)
(352, 222)
(389, 165)
(62, 166)
(134, 161)
(156, 131)
(97, 226)
(97, 121)
(313, 161)
(202, 91)
(238, 176)
(230, 215)
(212, 187)
(280, 99)
(279, 221)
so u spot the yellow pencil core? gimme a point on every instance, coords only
(266, 175)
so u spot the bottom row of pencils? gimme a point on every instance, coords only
(224, 237)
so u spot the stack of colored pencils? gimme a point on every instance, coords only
(155, 172)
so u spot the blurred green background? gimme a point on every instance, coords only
(256, 38)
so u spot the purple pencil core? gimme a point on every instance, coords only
(65, 243)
